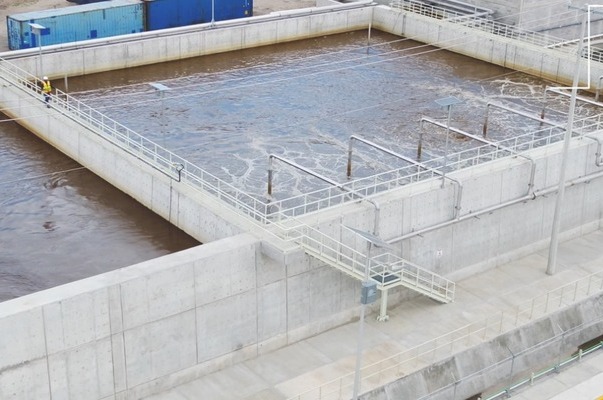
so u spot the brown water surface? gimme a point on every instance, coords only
(227, 113)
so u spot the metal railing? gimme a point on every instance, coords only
(386, 269)
(399, 271)
(477, 21)
(137, 145)
(534, 376)
(512, 147)
(394, 367)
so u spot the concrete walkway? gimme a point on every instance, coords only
(289, 371)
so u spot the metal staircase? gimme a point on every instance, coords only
(386, 269)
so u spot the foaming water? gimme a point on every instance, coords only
(227, 113)
(303, 101)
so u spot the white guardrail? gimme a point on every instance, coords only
(398, 365)
(390, 272)
(478, 20)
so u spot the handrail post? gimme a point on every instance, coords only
(420, 146)
(485, 127)
(349, 169)
(270, 175)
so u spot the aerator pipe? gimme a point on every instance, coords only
(327, 180)
(598, 158)
(518, 112)
(533, 196)
(485, 141)
(457, 206)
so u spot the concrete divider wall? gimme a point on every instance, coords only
(172, 200)
(178, 43)
(146, 328)
(500, 218)
(533, 59)
(503, 360)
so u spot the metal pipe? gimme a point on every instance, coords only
(552, 260)
(518, 112)
(485, 141)
(598, 88)
(420, 146)
(327, 180)
(557, 91)
(598, 158)
(446, 146)
(356, 387)
(457, 206)
(383, 307)
(533, 196)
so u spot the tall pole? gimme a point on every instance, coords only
(368, 296)
(447, 102)
(446, 148)
(40, 52)
(361, 326)
(37, 30)
(552, 261)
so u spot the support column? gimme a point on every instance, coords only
(383, 309)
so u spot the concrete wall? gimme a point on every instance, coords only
(175, 201)
(532, 59)
(149, 327)
(499, 219)
(143, 329)
(173, 44)
(503, 360)
(177, 43)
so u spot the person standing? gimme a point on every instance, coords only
(46, 90)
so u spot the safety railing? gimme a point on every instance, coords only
(421, 8)
(534, 376)
(324, 247)
(477, 21)
(394, 367)
(331, 196)
(260, 209)
(386, 269)
(144, 149)
(442, 9)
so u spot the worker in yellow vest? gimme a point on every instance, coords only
(46, 90)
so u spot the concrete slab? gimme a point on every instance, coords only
(331, 355)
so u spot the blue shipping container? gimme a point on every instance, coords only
(162, 14)
(75, 23)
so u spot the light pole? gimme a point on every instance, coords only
(161, 89)
(554, 245)
(368, 296)
(37, 29)
(447, 102)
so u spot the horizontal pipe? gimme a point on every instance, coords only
(532, 196)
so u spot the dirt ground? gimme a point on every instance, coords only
(9, 7)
